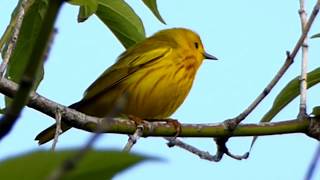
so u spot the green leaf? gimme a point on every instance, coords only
(85, 12)
(152, 5)
(29, 32)
(122, 21)
(2, 110)
(120, 18)
(95, 164)
(83, 2)
(9, 30)
(289, 92)
(316, 111)
(315, 36)
(87, 8)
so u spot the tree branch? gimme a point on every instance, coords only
(34, 61)
(58, 129)
(304, 63)
(125, 126)
(289, 60)
(313, 165)
(202, 154)
(133, 138)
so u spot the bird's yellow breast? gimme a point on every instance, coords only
(157, 91)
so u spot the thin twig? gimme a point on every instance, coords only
(50, 43)
(13, 40)
(133, 138)
(313, 164)
(222, 149)
(304, 63)
(289, 60)
(231, 124)
(70, 163)
(172, 141)
(58, 130)
(266, 91)
(27, 80)
(202, 154)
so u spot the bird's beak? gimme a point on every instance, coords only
(209, 56)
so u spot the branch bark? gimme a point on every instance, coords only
(289, 60)
(124, 126)
(34, 61)
(304, 62)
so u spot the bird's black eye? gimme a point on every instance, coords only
(196, 45)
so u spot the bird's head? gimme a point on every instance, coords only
(188, 40)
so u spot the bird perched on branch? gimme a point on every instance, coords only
(154, 75)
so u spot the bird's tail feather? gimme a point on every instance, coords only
(48, 134)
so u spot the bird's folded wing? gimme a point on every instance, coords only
(126, 65)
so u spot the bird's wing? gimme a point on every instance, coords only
(127, 64)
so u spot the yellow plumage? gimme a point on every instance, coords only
(154, 76)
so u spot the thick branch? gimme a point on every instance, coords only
(124, 126)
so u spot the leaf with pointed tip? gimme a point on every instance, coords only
(316, 111)
(287, 94)
(95, 164)
(85, 12)
(122, 21)
(315, 36)
(290, 92)
(152, 5)
(87, 8)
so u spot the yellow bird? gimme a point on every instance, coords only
(155, 76)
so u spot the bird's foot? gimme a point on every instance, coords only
(176, 124)
(172, 122)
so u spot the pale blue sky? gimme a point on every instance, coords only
(249, 38)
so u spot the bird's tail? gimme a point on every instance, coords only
(49, 133)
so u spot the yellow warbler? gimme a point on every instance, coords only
(154, 75)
